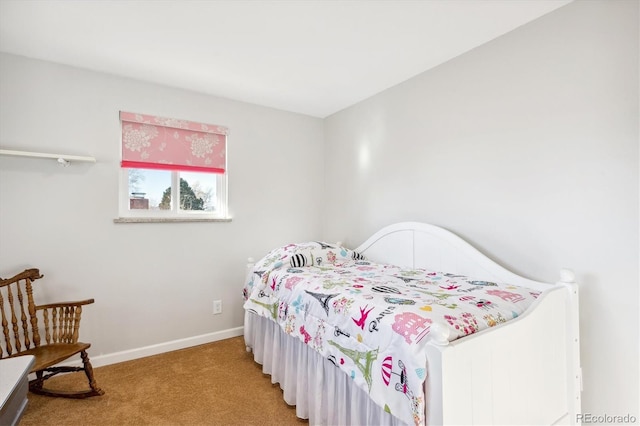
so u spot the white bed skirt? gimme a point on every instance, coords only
(321, 392)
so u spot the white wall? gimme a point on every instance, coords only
(527, 147)
(152, 283)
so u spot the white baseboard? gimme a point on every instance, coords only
(131, 354)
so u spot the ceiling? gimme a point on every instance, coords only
(313, 57)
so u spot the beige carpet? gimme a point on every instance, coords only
(213, 384)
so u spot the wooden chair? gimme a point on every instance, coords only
(22, 323)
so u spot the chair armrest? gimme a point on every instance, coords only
(65, 304)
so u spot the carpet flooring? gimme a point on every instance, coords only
(213, 384)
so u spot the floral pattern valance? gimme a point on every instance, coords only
(150, 142)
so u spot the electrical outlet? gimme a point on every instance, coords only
(217, 307)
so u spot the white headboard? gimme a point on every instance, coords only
(420, 245)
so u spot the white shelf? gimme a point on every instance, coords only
(62, 158)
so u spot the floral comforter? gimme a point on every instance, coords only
(372, 320)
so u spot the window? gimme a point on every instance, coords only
(172, 169)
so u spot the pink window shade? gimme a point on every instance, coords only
(150, 142)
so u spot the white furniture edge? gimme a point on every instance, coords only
(14, 387)
(463, 387)
(61, 158)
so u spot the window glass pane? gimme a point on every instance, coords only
(198, 191)
(149, 189)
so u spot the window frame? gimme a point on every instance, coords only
(221, 212)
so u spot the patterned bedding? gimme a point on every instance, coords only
(372, 320)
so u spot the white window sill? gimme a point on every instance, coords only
(168, 219)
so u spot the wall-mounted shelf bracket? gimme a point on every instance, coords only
(63, 159)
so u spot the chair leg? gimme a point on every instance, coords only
(88, 370)
(36, 385)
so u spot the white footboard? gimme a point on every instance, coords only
(511, 374)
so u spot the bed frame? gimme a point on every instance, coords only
(526, 371)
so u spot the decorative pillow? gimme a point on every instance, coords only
(313, 253)
(357, 256)
(298, 260)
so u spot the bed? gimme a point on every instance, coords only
(414, 326)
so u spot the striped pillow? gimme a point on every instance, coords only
(357, 256)
(298, 260)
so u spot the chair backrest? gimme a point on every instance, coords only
(18, 320)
